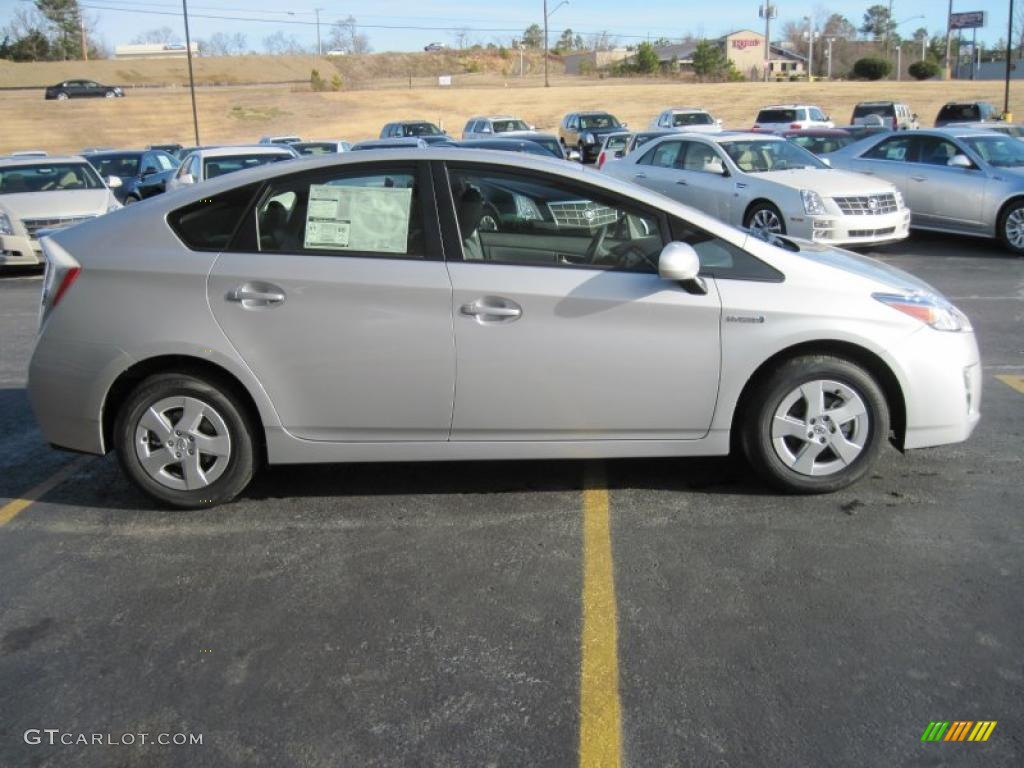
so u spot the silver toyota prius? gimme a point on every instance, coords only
(447, 304)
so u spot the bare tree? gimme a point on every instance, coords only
(279, 43)
(460, 36)
(344, 36)
(156, 36)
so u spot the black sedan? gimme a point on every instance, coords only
(513, 144)
(82, 89)
(143, 173)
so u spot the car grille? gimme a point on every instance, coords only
(60, 222)
(872, 232)
(582, 214)
(867, 205)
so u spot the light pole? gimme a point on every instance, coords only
(810, 48)
(191, 78)
(828, 54)
(899, 44)
(767, 12)
(319, 48)
(546, 15)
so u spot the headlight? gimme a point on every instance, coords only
(527, 209)
(6, 225)
(812, 201)
(587, 138)
(900, 203)
(931, 310)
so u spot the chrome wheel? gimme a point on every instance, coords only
(1013, 228)
(820, 428)
(182, 443)
(766, 221)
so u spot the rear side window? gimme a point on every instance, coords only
(896, 148)
(210, 223)
(777, 116)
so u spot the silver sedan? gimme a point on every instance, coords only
(961, 180)
(449, 304)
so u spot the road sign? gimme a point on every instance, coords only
(967, 20)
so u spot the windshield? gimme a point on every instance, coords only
(598, 121)
(503, 126)
(52, 177)
(124, 166)
(218, 166)
(420, 129)
(821, 145)
(1000, 151)
(692, 118)
(758, 156)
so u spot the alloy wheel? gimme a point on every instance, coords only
(767, 221)
(1014, 228)
(182, 443)
(820, 428)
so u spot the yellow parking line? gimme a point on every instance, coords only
(600, 716)
(1012, 380)
(11, 509)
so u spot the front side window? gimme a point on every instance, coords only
(351, 212)
(49, 177)
(759, 156)
(124, 166)
(895, 148)
(720, 258)
(594, 122)
(509, 218)
(931, 150)
(702, 158)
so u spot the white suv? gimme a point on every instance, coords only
(786, 117)
(690, 119)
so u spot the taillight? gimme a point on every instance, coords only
(756, 127)
(600, 161)
(895, 123)
(62, 270)
(795, 125)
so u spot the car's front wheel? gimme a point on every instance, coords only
(766, 219)
(814, 425)
(185, 441)
(109, 95)
(1011, 227)
(62, 96)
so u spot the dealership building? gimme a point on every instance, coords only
(745, 50)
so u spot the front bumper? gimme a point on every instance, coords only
(20, 251)
(846, 230)
(942, 389)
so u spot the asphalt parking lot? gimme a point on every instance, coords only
(483, 615)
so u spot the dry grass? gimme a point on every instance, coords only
(243, 113)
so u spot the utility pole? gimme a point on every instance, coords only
(768, 12)
(810, 49)
(829, 55)
(191, 77)
(949, 42)
(81, 27)
(1009, 52)
(888, 29)
(319, 48)
(546, 83)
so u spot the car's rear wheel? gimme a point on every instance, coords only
(185, 441)
(1011, 227)
(766, 219)
(581, 148)
(815, 425)
(109, 95)
(62, 96)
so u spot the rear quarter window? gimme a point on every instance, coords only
(209, 224)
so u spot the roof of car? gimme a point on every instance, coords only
(789, 106)
(724, 136)
(244, 149)
(953, 130)
(686, 109)
(495, 117)
(816, 132)
(14, 162)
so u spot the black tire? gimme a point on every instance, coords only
(752, 212)
(240, 464)
(1014, 209)
(759, 411)
(583, 153)
(62, 96)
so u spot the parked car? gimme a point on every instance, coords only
(143, 173)
(767, 184)
(284, 139)
(511, 144)
(859, 132)
(184, 152)
(30, 153)
(206, 164)
(435, 47)
(893, 114)
(422, 129)
(787, 117)
(337, 52)
(38, 194)
(321, 147)
(954, 179)
(170, 149)
(406, 143)
(819, 141)
(640, 138)
(549, 141)
(689, 119)
(638, 327)
(967, 112)
(613, 145)
(490, 127)
(1010, 129)
(582, 131)
(82, 89)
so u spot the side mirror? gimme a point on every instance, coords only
(485, 129)
(531, 126)
(187, 179)
(680, 263)
(625, 125)
(826, 161)
(718, 122)
(960, 161)
(114, 182)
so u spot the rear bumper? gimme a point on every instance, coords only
(19, 251)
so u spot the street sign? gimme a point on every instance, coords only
(967, 20)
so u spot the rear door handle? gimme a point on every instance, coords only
(639, 176)
(254, 295)
(492, 309)
(919, 178)
(741, 185)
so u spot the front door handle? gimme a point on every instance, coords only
(256, 295)
(919, 178)
(639, 175)
(682, 183)
(492, 309)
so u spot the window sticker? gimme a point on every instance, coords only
(358, 218)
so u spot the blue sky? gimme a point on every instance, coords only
(121, 20)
